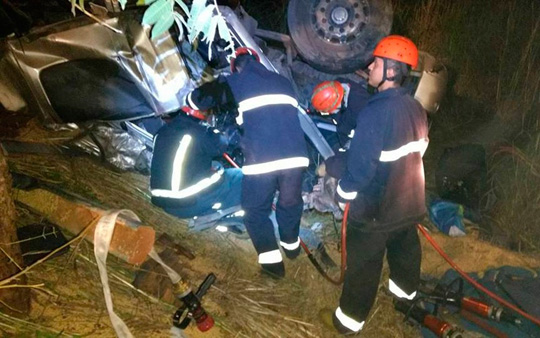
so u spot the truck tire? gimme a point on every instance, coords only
(338, 36)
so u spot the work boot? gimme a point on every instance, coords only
(292, 254)
(274, 270)
(330, 321)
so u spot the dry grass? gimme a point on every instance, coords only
(493, 46)
(492, 51)
(244, 303)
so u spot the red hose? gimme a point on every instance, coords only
(230, 160)
(430, 240)
(338, 281)
(472, 281)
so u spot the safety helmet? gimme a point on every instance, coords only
(243, 51)
(398, 48)
(327, 96)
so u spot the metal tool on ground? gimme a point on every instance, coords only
(439, 327)
(209, 221)
(310, 255)
(476, 285)
(192, 308)
(450, 295)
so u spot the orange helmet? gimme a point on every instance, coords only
(243, 51)
(398, 48)
(327, 96)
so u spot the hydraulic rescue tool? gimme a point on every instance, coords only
(448, 295)
(192, 308)
(439, 327)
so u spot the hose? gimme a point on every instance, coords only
(312, 259)
(471, 280)
(429, 239)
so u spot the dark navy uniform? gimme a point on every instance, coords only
(384, 183)
(275, 154)
(184, 180)
(345, 121)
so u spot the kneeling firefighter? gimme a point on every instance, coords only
(274, 149)
(341, 101)
(185, 181)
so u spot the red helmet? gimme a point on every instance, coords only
(195, 113)
(327, 96)
(398, 48)
(243, 51)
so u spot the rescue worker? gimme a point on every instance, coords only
(342, 102)
(185, 181)
(274, 149)
(384, 184)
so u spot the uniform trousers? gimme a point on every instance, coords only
(258, 193)
(365, 254)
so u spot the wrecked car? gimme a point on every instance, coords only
(108, 79)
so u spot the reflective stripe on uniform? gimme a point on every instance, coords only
(179, 161)
(396, 290)
(191, 103)
(270, 257)
(411, 147)
(261, 101)
(286, 163)
(348, 322)
(190, 191)
(290, 246)
(346, 195)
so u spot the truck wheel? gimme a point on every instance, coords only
(338, 36)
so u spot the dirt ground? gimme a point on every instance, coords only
(67, 296)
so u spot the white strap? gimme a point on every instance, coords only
(173, 275)
(102, 240)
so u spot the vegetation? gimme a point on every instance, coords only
(491, 49)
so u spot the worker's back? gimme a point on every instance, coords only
(268, 115)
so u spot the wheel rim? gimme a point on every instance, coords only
(339, 21)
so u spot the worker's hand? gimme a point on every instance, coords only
(321, 170)
(342, 206)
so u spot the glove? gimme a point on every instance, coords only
(342, 206)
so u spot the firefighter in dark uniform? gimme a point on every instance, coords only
(342, 102)
(274, 149)
(384, 184)
(185, 181)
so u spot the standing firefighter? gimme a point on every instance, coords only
(384, 183)
(274, 149)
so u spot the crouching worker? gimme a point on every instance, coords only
(185, 181)
(384, 184)
(274, 149)
(341, 102)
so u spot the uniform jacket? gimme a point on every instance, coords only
(182, 162)
(267, 112)
(384, 180)
(345, 120)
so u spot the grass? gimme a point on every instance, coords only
(492, 51)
